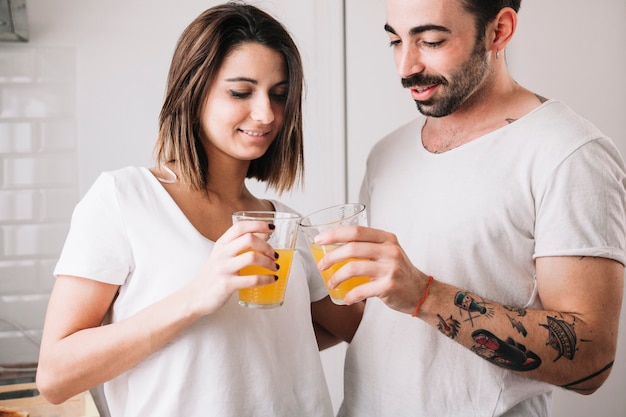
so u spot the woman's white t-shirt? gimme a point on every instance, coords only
(128, 231)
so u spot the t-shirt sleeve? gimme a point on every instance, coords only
(96, 246)
(582, 209)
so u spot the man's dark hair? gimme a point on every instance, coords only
(487, 10)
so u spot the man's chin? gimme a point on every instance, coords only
(428, 109)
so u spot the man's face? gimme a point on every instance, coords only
(437, 53)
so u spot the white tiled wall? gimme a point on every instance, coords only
(38, 186)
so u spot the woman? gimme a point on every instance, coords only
(143, 300)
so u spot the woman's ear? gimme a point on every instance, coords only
(501, 30)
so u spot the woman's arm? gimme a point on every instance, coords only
(333, 323)
(78, 353)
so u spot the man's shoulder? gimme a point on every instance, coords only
(558, 118)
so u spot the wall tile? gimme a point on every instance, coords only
(19, 277)
(33, 240)
(17, 64)
(36, 100)
(41, 170)
(38, 187)
(19, 205)
(16, 137)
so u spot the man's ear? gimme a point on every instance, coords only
(501, 30)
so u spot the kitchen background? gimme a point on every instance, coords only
(84, 93)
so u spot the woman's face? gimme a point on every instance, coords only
(245, 107)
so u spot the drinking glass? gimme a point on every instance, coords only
(350, 214)
(283, 240)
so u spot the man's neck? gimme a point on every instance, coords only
(488, 110)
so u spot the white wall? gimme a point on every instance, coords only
(572, 50)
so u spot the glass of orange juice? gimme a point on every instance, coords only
(283, 240)
(350, 214)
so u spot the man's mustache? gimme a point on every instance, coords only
(417, 80)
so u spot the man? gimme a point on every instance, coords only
(497, 244)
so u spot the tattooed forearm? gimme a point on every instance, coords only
(504, 353)
(467, 303)
(521, 312)
(562, 337)
(518, 326)
(449, 327)
(546, 345)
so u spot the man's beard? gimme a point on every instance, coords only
(461, 85)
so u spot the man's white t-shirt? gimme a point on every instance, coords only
(476, 217)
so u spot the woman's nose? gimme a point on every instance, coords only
(262, 110)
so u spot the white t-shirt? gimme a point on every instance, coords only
(476, 217)
(128, 231)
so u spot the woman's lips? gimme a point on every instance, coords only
(255, 133)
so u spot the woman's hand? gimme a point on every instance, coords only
(242, 245)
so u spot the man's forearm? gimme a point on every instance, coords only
(554, 347)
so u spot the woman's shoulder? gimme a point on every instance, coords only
(129, 176)
(128, 180)
(130, 172)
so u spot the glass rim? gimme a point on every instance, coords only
(265, 215)
(356, 213)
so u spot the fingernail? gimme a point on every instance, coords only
(275, 277)
(272, 226)
(275, 255)
(277, 267)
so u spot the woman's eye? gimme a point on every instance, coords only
(239, 94)
(280, 97)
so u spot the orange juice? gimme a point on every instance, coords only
(270, 295)
(342, 289)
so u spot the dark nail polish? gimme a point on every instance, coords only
(275, 277)
(272, 226)
(275, 255)
(277, 267)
